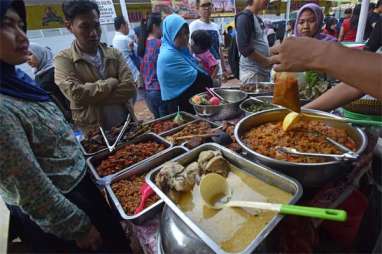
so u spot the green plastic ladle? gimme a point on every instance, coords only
(216, 194)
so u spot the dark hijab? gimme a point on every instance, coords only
(15, 82)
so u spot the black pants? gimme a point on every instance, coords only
(88, 198)
(201, 82)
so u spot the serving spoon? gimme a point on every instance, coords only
(293, 151)
(146, 191)
(292, 118)
(217, 194)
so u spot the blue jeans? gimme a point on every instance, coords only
(155, 104)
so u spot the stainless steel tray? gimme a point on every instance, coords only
(94, 161)
(186, 116)
(140, 169)
(261, 92)
(175, 130)
(281, 181)
(86, 154)
(254, 100)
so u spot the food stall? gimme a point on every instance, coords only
(153, 174)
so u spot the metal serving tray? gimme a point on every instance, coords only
(86, 154)
(140, 169)
(186, 116)
(94, 161)
(255, 100)
(261, 172)
(176, 130)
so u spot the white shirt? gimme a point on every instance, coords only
(210, 27)
(122, 42)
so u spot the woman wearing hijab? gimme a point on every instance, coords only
(41, 59)
(54, 205)
(309, 23)
(179, 75)
(341, 94)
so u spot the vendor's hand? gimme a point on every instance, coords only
(92, 241)
(298, 54)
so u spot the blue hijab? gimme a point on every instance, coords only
(14, 82)
(176, 68)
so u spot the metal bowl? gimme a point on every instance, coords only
(177, 237)
(269, 99)
(224, 111)
(254, 100)
(310, 175)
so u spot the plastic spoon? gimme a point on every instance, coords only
(216, 194)
(145, 192)
(292, 118)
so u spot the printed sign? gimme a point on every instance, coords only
(106, 8)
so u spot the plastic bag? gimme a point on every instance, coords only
(285, 92)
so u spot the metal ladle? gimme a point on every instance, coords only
(293, 151)
(217, 194)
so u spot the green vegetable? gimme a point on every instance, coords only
(178, 118)
(311, 78)
(258, 106)
(313, 85)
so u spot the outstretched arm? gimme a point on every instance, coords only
(360, 69)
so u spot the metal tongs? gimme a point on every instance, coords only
(347, 155)
(111, 148)
(212, 92)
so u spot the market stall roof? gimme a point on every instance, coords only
(36, 2)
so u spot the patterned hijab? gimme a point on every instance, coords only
(317, 11)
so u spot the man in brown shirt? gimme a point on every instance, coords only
(94, 77)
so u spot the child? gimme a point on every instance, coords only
(200, 44)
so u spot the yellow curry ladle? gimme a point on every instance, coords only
(292, 118)
(216, 194)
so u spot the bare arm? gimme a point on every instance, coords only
(357, 68)
(222, 60)
(342, 33)
(244, 42)
(262, 60)
(339, 95)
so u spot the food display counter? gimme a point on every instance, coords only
(173, 221)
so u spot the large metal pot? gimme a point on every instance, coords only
(177, 237)
(224, 111)
(310, 175)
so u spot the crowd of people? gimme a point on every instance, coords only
(43, 178)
